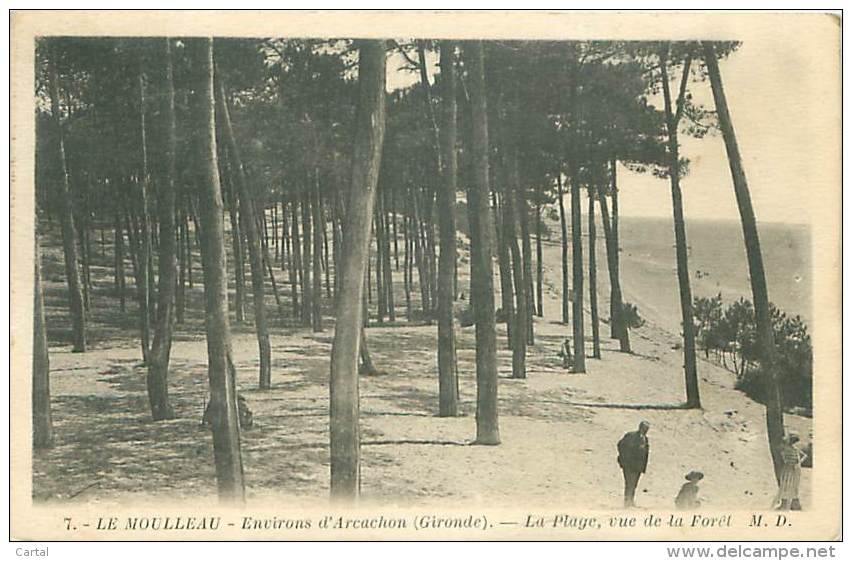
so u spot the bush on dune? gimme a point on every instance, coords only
(731, 335)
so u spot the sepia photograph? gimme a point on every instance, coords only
(344, 276)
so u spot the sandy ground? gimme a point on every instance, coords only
(558, 429)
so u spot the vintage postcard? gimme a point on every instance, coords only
(321, 275)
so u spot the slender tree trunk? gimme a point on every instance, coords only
(337, 240)
(133, 238)
(760, 293)
(85, 247)
(407, 273)
(504, 261)
(369, 279)
(275, 232)
(267, 261)
(386, 265)
(448, 394)
(158, 363)
(381, 294)
(189, 242)
(616, 317)
(593, 277)
(687, 323)
(539, 263)
(69, 234)
(223, 400)
(611, 232)
(296, 256)
(326, 249)
(563, 224)
(180, 297)
(487, 430)
(285, 236)
(419, 257)
(366, 160)
(522, 210)
(145, 278)
(395, 237)
(250, 227)
(239, 260)
(519, 330)
(121, 281)
(577, 273)
(307, 260)
(42, 420)
(316, 304)
(432, 259)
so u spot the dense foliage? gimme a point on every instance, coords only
(729, 334)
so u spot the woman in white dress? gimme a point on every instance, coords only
(791, 472)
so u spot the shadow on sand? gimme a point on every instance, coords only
(638, 406)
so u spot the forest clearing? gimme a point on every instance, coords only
(410, 456)
(282, 281)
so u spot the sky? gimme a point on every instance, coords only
(780, 99)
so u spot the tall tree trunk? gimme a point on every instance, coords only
(395, 237)
(616, 317)
(420, 258)
(504, 260)
(577, 273)
(760, 293)
(563, 224)
(386, 264)
(381, 294)
(487, 429)
(237, 249)
(296, 255)
(519, 328)
(180, 297)
(687, 323)
(406, 271)
(448, 393)
(593, 277)
(121, 281)
(366, 160)
(307, 260)
(85, 247)
(326, 249)
(223, 400)
(285, 236)
(158, 363)
(337, 239)
(523, 212)
(267, 261)
(275, 232)
(133, 238)
(611, 232)
(69, 234)
(191, 211)
(250, 227)
(316, 304)
(145, 276)
(432, 258)
(539, 264)
(42, 420)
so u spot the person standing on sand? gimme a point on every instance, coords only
(633, 459)
(788, 486)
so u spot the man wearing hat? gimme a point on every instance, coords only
(687, 498)
(633, 459)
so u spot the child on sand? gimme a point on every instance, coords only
(687, 498)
